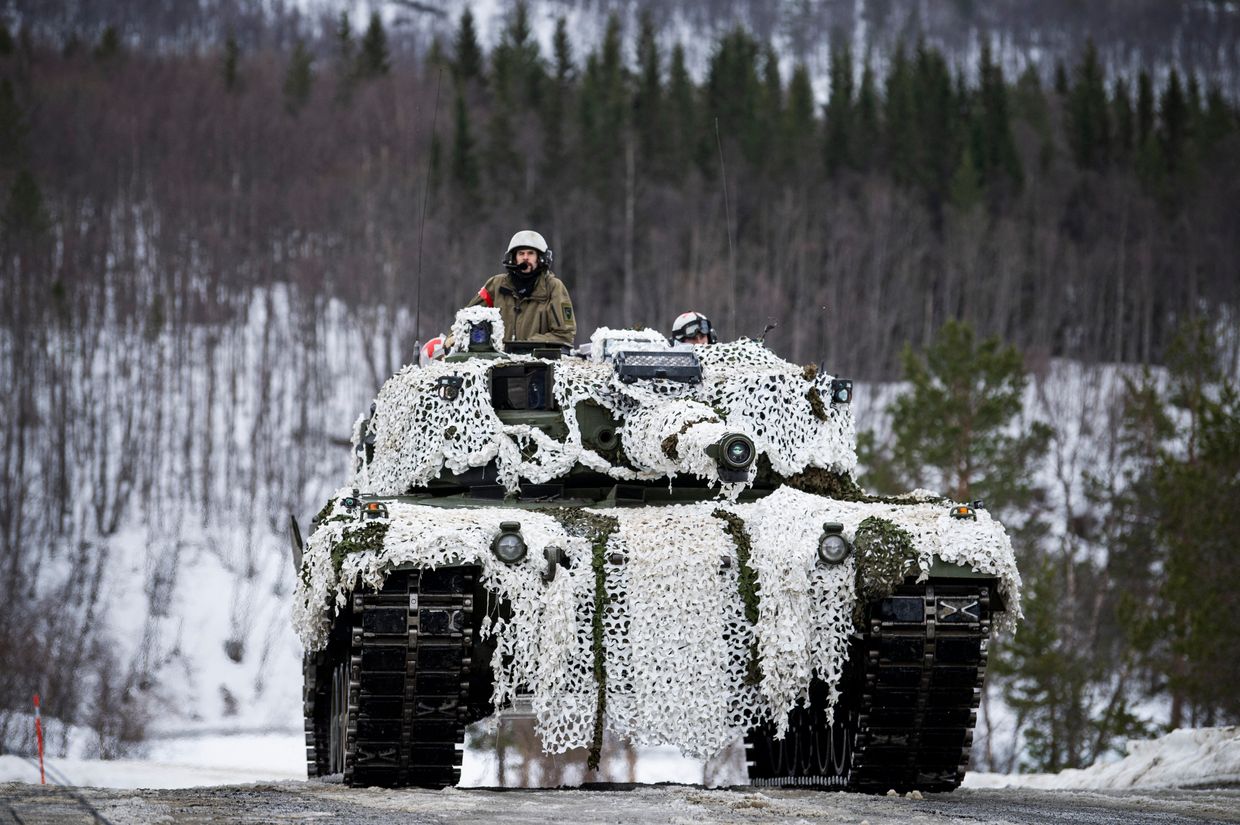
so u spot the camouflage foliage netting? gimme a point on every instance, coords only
(677, 645)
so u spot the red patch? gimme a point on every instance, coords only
(486, 297)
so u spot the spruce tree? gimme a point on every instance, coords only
(837, 153)
(298, 79)
(683, 107)
(109, 46)
(6, 41)
(1217, 122)
(900, 142)
(770, 110)
(1089, 128)
(556, 160)
(732, 96)
(373, 59)
(1174, 114)
(1001, 159)
(965, 191)
(230, 63)
(1125, 129)
(346, 58)
(465, 177)
(802, 125)
(1145, 107)
(467, 60)
(25, 216)
(13, 127)
(867, 130)
(648, 107)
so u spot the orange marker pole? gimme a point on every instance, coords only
(38, 733)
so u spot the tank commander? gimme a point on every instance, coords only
(533, 302)
(692, 328)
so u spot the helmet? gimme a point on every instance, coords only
(432, 350)
(529, 239)
(691, 324)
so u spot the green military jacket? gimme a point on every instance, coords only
(546, 314)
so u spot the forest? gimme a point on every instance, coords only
(212, 255)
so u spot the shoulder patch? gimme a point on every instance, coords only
(568, 311)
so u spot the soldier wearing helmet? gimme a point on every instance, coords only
(692, 328)
(533, 302)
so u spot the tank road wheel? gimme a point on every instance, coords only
(812, 753)
(338, 730)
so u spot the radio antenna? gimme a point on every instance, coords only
(426, 195)
(727, 215)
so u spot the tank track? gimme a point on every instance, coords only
(909, 700)
(408, 681)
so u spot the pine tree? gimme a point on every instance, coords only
(298, 79)
(373, 60)
(837, 153)
(954, 425)
(467, 62)
(6, 41)
(231, 61)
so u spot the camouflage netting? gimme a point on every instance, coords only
(745, 389)
(677, 645)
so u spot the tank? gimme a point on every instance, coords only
(663, 542)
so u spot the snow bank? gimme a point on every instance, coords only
(1186, 758)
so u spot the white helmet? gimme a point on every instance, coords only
(690, 325)
(528, 238)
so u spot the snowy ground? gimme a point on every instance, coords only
(1208, 757)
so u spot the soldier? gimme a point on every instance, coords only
(692, 328)
(533, 302)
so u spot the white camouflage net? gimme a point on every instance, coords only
(676, 643)
(745, 388)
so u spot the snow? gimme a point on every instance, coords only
(1188, 758)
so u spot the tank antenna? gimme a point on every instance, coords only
(426, 194)
(727, 215)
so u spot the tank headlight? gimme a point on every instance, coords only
(508, 546)
(841, 391)
(734, 454)
(833, 548)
